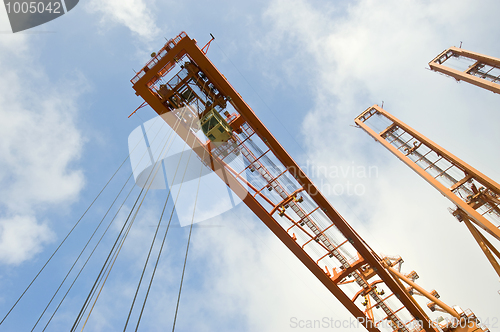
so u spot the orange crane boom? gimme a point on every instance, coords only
(196, 98)
(476, 196)
(484, 72)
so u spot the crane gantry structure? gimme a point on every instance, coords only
(476, 196)
(183, 86)
(484, 70)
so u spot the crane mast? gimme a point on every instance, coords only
(476, 196)
(183, 86)
(483, 71)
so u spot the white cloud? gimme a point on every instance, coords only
(136, 15)
(39, 142)
(21, 237)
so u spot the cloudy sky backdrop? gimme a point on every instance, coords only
(307, 68)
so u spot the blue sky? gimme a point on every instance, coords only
(307, 68)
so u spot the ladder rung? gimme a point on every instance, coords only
(434, 163)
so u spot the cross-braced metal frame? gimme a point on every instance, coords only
(483, 71)
(476, 196)
(279, 192)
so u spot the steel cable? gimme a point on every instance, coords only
(165, 235)
(187, 247)
(88, 258)
(66, 237)
(156, 232)
(93, 234)
(81, 253)
(104, 268)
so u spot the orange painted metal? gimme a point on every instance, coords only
(247, 113)
(472, 74)
(142, 85)
(484, 244)
(422, 291)
(146, 83)
(466, 206)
